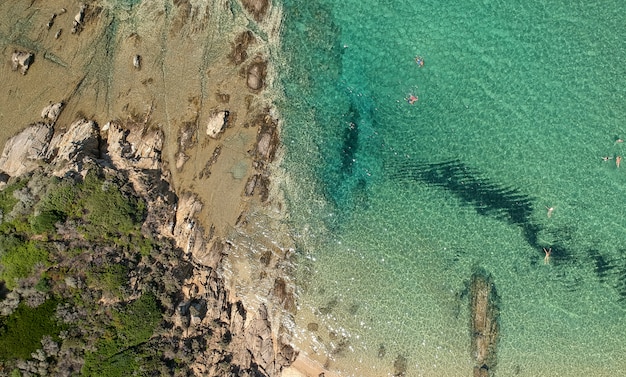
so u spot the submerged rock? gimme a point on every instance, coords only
(22, 60)
(258, 8)
(483, 305)
(256, 74)
(239, 52)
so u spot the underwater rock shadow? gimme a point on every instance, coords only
(510, 204)
(472, 188)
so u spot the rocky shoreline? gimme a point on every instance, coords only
(120, 105)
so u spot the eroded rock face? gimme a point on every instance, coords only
(22, 60)
(188, 234)
(70, 150)
(134, 147)
(51, 112)
(25, 151)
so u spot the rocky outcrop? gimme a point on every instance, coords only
(484, 309)
(24, 152)
(258, 8)
(256, 74)
(51, 112)
(217, 123)
(22, 60)
(68, 151)
(226, 337)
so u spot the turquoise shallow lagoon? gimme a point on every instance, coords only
(394, 205)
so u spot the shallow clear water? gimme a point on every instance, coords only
(394, 205)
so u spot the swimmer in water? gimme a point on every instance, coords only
(420, 61)
(618, 161)
(546, 259)
(550, 210)
(411, 99)
(606, 158)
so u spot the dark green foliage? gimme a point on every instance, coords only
(99, 203)
(22, 331)
(119, 350)
(18, 259)
(86, 236)
(118, 365)
(108, 210)
(110, 278)
(44, 222)
(7, 201)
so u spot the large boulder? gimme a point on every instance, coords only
(22, 60)
(217, 123)
(81, 140)
(256, 74)
(133, 148)
(25, 151)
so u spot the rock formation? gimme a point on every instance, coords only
(234, 340)
(22, 60)
(217, 123)
(484, 310)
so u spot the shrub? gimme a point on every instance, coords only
(109, 211)
(7, 200)
(22, 331)
(44, 222)
(110, 278)
(117, 353)
(19, 259)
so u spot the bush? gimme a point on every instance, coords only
(105, 210)
(45, 221)
(110, 278)
(117, 353)
(19, 259)
(22, 331)
(7, 200)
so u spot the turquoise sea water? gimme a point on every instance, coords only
(395, 205)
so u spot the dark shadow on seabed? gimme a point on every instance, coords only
(511, 205)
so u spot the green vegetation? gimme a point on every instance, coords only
(78, 241)
(108, 210)
(110, 278)
(19, 258)
(7, 200)
(119, 350)
(104, 210)
(21, 332)
(45, 221)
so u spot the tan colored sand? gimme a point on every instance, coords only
(306, 367)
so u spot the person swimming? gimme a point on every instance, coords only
(411, 99)
(420, 61)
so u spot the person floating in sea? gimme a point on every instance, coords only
(606, 158)
(546, 259)
(618, 161)
(550, 210)
(411, 99)
(420, 61)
